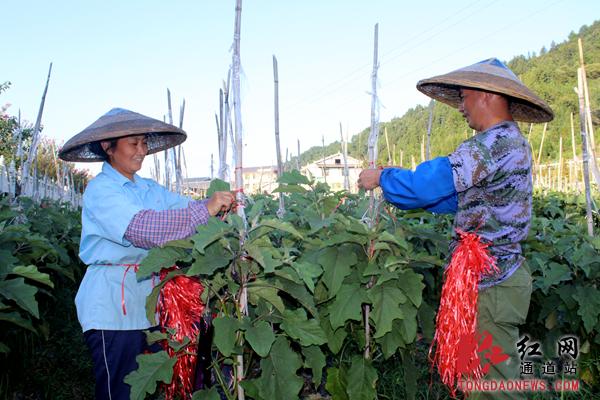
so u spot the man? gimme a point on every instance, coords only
(486, 182)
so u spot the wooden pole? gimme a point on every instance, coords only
(394, 154)
(401, 158)
(298, 159)
(585, 155)
(281, 210)
(239, 179)
(422, 148)
(323, 163)
(345, 155)
(387, 145)
(372, 156)
(428, 145)
(32, 157)
(539, 157)
(560, 164)
(588, 114)
(574, 173)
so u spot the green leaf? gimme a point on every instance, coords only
(257, 289)
(308, 272)
(335, 339)
(4, 348)
(217, 185)
(412, 285)
(214, 258)
(214, 230)
(386, 300)
(155, 336)
(152, 368)
(315, 360)
(589, 306)
(278, 379)
(159, 258)
(22, 294)
(225, 334)
(362, 377)
(207, 394)
(391, 341)
(297, 326)
(426, 315)
(385, 236)
(345, 237)
(17, 319)
(298, 292)
(553, 275)
(409, 322)
(260, 336)
(293, 178)
(277, 225)
(347, 305)
(31, 272)
(336, 263)
(336, 384)
(263, 256)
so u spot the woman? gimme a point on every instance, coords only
(124, 215)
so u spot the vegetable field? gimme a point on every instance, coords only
(309, 277)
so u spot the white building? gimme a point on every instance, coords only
(330, 170)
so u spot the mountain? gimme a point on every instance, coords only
(552, 74)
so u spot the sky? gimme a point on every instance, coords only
(126, 54)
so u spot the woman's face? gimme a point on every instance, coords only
(127, 156)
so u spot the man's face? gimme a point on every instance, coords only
(472, 108)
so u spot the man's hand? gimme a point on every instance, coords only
(369, 179)
(220, 201)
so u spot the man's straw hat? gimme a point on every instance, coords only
(118, 123)
(493, 76)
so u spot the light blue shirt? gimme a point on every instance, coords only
(109, 203)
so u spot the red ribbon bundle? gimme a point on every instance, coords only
(456, 322)
(180, 308)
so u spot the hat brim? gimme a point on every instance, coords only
(524, 105)
(160, 136)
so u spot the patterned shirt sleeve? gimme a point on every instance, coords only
(151, 228)
(471, 163)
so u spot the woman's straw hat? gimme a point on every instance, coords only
(493, 76)
(118, 123)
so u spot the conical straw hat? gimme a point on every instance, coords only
(118, 123)
(493, 76)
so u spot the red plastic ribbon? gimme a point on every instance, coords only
(181, 309)
(455, 340)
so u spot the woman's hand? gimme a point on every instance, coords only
(220, 201)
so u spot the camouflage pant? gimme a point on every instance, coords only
(501, 309)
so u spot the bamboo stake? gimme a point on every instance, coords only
(401, 158)
(422, 148)
(413, 163)
(281, 210)
(428, 146)
(298, 159)
(212, 166)
(31, 158)
(574, 172)
(323, 163)
(239, 179)
(588, 114)
(539, 157)
(345, 155)
(387, 145)
(372, 155)
(394, 154)
(585, 155)
(560, 164)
